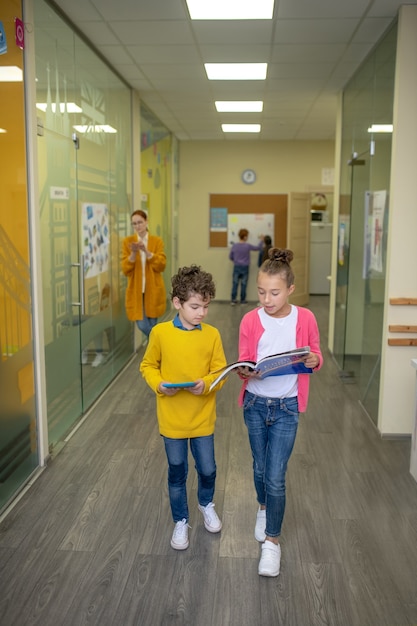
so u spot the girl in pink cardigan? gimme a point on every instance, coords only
(271, 406)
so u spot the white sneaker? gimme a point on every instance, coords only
(260, 525)
(99, 359)
(270, 559)
(179, 540)
(84, 357)
(212, 522)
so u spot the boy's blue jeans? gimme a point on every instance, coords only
(240, 273)
(272, 426)
(202, 449)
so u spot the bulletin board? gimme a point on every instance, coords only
(256, 223)
(223, 205)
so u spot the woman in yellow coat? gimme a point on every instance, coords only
(143, 261)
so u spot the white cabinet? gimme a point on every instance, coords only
(320, 257)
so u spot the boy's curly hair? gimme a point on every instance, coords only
(192, 280)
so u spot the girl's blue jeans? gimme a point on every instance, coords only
(272, 426)
(202, 449)
(146, 324)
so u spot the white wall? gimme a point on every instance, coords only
(396, 415)
(208, 167)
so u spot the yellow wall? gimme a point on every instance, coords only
(156, 186)
(15, 328)
(216, 167)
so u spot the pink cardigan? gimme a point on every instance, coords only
(307, 334)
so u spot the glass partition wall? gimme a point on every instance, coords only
(84, 153)
(363, 221)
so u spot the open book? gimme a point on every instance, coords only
(274, 365)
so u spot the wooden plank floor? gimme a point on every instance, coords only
(89, 542)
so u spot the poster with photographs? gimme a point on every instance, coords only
(95, 222)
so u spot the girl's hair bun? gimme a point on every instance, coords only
(281, 254)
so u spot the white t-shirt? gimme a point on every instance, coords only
(279, 336)
(143, 260)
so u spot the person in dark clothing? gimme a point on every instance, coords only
(263, 254)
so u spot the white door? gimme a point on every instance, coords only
(320, 257)
(298, 240)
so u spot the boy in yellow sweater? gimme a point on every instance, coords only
(177, 365)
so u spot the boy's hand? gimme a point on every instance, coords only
(198, 388)
(168, 391)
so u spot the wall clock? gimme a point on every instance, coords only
(248, 176)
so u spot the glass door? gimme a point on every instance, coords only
(363, 222)
(360, 305)
(61, 281)
(84, 153)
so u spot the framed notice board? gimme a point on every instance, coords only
(223, 205)
(256, 223)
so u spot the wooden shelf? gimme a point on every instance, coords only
(403, 301)
(402, 342)
(402, 328)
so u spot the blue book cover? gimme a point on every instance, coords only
(282, 364)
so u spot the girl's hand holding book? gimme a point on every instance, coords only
(311, 361)
(245, 372)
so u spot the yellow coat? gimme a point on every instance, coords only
(155, 293)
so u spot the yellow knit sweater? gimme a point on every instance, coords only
(176, 355)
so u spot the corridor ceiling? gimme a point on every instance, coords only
(312, 47)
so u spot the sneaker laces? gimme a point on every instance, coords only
(180, 530)
(210, 513)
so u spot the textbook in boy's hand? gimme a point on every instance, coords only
(274, 365)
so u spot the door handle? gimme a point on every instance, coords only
(80, 266)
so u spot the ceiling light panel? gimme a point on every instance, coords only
(236, 71)
(230, 9)
(241, 128)
(238, 106)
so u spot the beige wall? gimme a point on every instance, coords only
(216, 167)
